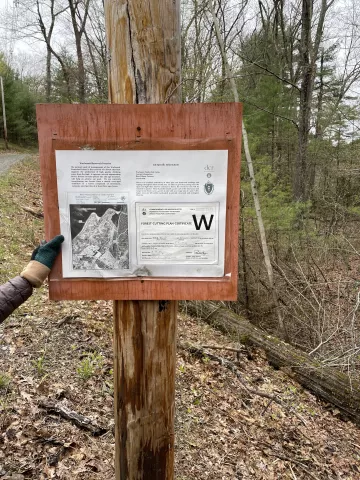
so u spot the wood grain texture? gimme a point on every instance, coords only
(199, 126)
(144, 373)
(143, 41)
(144, 67)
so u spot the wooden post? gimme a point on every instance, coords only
(144, 67)
(4, 112)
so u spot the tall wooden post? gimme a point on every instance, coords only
(4, 112)
(144, 67)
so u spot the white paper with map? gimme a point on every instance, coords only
(142, 213)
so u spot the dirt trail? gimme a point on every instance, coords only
(8, 159)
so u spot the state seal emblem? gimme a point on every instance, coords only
(209, 188)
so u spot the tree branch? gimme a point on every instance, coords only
(266, 70)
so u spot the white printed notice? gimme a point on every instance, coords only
(178, 233)
(142, 213)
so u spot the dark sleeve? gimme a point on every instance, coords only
(12, 295)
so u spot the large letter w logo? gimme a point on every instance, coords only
(203, 219)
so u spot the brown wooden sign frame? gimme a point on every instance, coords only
(142, 127)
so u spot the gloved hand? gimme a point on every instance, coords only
(42, 260)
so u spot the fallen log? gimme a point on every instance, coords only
(326, 383)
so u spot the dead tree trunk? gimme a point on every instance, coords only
(144, 50)
(144, 67)
(326, 383)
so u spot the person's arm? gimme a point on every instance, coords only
(19, 289)
(13, 294)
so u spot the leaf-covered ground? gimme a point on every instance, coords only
(62, 351)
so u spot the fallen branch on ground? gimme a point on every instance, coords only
(66, 319)
(200, 352)
(221, 347)
(33, 212)
(57, 454)
(76, 418)
(326, 383)
(293, 460)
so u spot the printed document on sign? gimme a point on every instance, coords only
(178, 233)
(142, 213)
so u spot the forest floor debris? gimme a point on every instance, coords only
(62, 352)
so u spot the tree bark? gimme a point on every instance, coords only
(309, 51)
(78, 33)
(4, 112)
(144, 389)
(300, 193)
(95, 68)
(318, 125)
(48, 74)
(144, 50)
(326, 383)
(144, 67)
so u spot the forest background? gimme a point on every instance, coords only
(295, 65)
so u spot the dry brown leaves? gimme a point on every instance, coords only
(63, 351)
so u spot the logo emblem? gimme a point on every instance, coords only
(209, 188)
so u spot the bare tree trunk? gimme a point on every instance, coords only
(254, 189)
(47, 36)
(144, 389)
(318, 127)
(244, 267)
(48, 74)
(81, 70)
(300, 177)
(95, 68)
(309, 51)
(144, 62)
(4, 112)
(78, 33)
(144, 67)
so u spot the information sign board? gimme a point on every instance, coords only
(147, 201)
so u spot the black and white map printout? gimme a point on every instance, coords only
(142, 213)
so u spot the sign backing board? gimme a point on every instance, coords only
(147, 197)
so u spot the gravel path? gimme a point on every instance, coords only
(8, 159)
